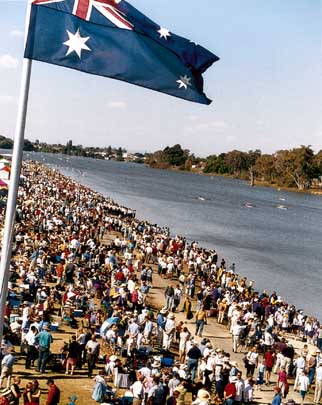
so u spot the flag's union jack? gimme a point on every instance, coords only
(83, 9)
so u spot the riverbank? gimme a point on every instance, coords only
(257, 183)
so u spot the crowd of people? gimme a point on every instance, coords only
(63, 276)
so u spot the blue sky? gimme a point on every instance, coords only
(266, 89)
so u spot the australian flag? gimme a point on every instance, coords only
(112, 38)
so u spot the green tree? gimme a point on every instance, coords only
(216, 164)
(317, 165)
(175, 155)
(28, 146)
(295, 167)
(264, 168)
(236, 162)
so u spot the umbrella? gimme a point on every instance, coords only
(107, 324)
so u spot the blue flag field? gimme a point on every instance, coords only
(113, 39)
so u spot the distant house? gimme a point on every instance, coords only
(317, 182)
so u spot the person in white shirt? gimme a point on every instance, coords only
(304, 384)
(240, 386)
(168, 333)
(236, 331)
(300, 365)
(137, 390)
(318, 383)
(32, 352)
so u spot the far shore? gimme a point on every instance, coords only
(257, 183)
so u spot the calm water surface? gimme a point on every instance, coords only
(281, 249)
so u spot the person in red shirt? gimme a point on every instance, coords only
(53, 397)
(119, 276)
(230, 392)
(269, 357)
(59, 271)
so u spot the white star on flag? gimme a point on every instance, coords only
(76, 43)
(184, 81)
(164, 33)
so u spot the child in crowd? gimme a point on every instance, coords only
(260, 376)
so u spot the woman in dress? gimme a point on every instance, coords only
(27, 394)
(35, 393)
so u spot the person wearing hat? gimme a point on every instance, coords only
(230, 391)
(182, 389)
(169, 331)
(203, 398)
(43, 339)
(7, 366)
(194, 354)
(161, 320)
(311, 364)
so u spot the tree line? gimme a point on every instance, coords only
(298, 167)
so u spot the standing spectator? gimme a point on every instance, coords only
(304, 384)
(32, 352)
(318, 383)
(168, 332)
(184, 336)
(155, 394)
(93, 350)
(282, 381)
(187, 307)
(252, 361)
(7, 366)
(53, 397)
(240, 388)
(169, 297)
(176, 297)
(194, 354)
(230, 391)
(27, 398)
(277, 400)
(269, 357)
(35, 393)
(260, 377)
(201, 319)
(15, 391)
(44, 340)
(236, 331)
(137, 390)
(73, 354)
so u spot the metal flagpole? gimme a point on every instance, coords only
(6, 250)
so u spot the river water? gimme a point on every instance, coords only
(279, 248)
